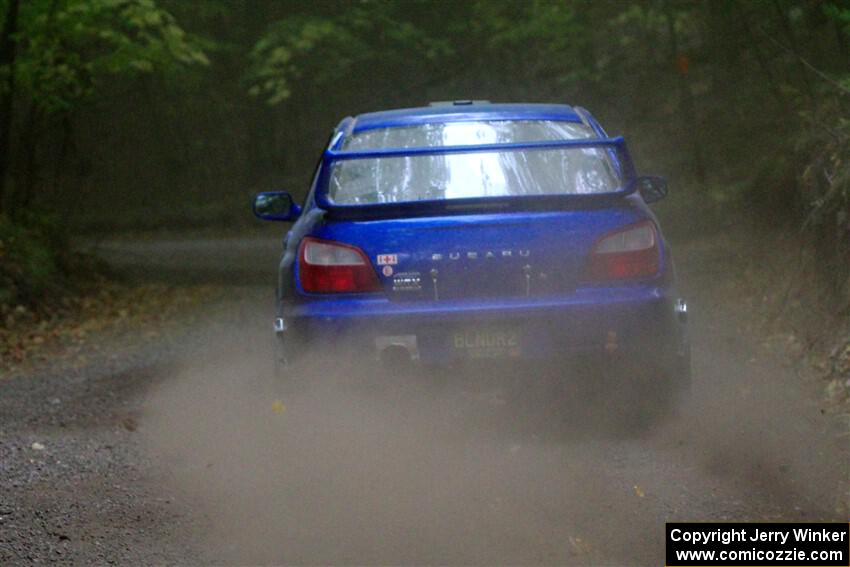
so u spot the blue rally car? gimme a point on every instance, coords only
(470, 230)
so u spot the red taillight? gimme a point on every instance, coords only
(331, 267)
(629, 253)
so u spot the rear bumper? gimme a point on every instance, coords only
(600, 321)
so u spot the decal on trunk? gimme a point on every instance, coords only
(474, 255)
(407, 281)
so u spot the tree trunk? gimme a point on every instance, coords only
(24, 192)
(687, 109)
(842, 39)
(762, 61)
(7, 91)
(794, 48)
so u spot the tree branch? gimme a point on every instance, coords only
(812, 68)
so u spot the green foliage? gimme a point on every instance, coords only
(69, 47)
(278, 57)
(839, 13)
(512, 24)
(825, 186)
(538, 35)
(32, 259)
(323, 50)
(824, 145)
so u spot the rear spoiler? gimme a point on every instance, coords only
(615, 146)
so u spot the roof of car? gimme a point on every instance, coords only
(462, 111)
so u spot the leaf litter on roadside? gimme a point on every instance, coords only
(69, 329)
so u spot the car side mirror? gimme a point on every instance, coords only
(275, 206)
(651, 187)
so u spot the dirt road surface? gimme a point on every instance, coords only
(187, 453)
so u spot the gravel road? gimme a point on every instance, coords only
(186, 453)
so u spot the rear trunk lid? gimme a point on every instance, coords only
(477, 256)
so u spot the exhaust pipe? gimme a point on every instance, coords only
(397, 352)
(396, 358)
(682, 310)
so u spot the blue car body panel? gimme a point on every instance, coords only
(521, 265)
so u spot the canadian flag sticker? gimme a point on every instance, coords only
(387, 259)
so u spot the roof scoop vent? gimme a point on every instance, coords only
(458, 102)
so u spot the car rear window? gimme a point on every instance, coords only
(467, 133)
(559, 171)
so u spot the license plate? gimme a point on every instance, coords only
(487, 343)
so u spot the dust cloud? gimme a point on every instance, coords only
(450, 467)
